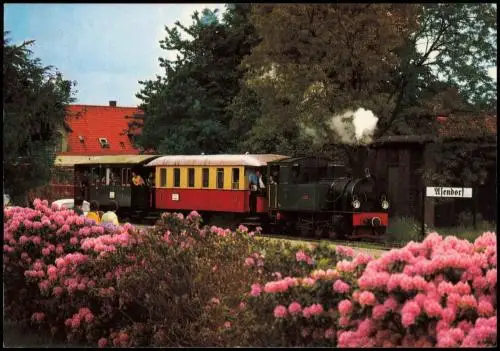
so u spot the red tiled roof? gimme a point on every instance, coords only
(461, 127)
(94, 122)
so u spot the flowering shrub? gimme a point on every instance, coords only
(182, 284)
(438, 293)
(115, 286)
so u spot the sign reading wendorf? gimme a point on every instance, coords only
(448, 192)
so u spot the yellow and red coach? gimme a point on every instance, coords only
(216, 183)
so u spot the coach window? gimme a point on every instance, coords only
(115, 177)
(126, 180)
(177, 177)
(92, 176)
(190, 177)
(236, 178)
(220, 178)
(163, 177)
(205, 174)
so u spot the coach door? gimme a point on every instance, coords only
(273, 181)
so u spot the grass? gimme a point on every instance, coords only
(463, 232)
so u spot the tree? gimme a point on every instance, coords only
(316, 61)
(448, 75)
(34, 110)
(407, 63)
(186, 111)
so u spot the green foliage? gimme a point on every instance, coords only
(186, 109)
(34, 102)
(465, 162)
(404, 230)
(406, 63)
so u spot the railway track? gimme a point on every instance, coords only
(366, 245)
(354, 244)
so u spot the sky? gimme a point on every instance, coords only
(106, 48)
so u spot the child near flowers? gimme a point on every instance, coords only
(94, 212)
(110, 216)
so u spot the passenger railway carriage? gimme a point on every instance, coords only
(109, 178)
(304, 195)
(209, 183)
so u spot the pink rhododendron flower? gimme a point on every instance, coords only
(312, 310)
(294, 308)
(367, 298)
(301, 256)
(256, 290)
(345, 307)
(249, 261)
(344, 251)
(102, 342)
(280, 311)
(341, 287)
(38, 316)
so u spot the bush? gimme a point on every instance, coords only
(186, 285)
(404, 230)
(438, 293)
(117, 286)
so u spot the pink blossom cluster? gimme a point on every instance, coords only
(38, 316)
(84, 315)
(329, 274)
(256, 290)
(313, 310)
(301, 256)
(255, 259)
(444, 278)
(280, 286)
(194, 215)
(294, 308)
(121, 339)
(344, 251)
(341, 287)
(108, 243)
(220, 231)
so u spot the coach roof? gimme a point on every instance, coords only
(70, 160)
(216, 160)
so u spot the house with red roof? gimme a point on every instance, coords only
(91, 130)
(99, 130)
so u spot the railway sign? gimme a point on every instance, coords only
(449, 192)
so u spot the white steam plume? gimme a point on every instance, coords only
(354, 127)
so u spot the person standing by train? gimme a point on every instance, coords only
(110, 216)
(137, 179)
(255, 183)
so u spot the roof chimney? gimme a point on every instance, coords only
(112, 103)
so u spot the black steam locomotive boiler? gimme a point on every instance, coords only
(314, 196)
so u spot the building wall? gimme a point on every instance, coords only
(400, 166)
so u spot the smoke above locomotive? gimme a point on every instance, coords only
(352, 127)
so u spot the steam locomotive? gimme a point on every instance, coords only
(304, 196)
